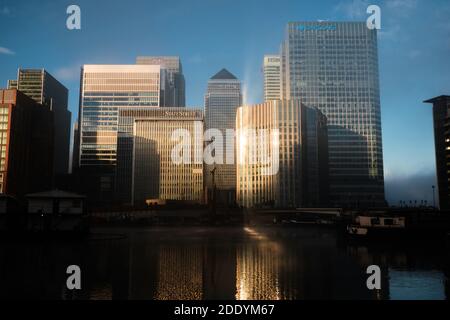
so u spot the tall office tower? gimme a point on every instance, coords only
(176, 96)
(334, 66)
(26, 144)
(222, 98)
(441, 119)
(282, 155)
(105, 90)
(46, 90)
(156, 174)
(272, 77)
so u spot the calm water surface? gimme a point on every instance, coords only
(231, 263)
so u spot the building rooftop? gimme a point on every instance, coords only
(433, 100)
(55, 194)
(223, 74)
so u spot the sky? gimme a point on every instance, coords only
(414, 55)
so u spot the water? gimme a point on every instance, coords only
(229, 263)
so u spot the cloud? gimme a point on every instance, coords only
(196, 59)
(401, 4)
(391, 32)
(5, 11)
(7, 51)
(68, 73)
(354, 9)
(413, 187)
(413, 54)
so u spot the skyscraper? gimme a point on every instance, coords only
(441, 119)
(42, 87)
(222, 98)
(334, 66)
(272, 77)
(105, 91)
(156, 174)
(282, 158)
(176, 96)
(26, 144)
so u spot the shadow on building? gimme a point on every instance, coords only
(356, 179)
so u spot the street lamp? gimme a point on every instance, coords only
(434, 199)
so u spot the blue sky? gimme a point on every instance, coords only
(414, 54)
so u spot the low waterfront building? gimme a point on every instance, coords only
(56, 211)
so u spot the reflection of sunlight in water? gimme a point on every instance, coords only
(257, 274)
(103, 292)
(180, 274)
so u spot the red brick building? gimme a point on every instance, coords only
(26, 144)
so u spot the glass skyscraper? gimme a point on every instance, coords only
(105, 91)
(281, 149)
(222, 98)
(334, 66)
(176, 95)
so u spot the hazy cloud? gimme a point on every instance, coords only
(410, 188)
(401, 4)
(413, 54)
(5, 11)
(4, 50)
(68, 73)
(196, 59)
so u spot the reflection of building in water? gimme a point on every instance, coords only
(257, 272)
(307, 266)
(180, 273)
(107, 273)
(219, 271)
(101, 292)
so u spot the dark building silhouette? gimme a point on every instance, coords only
(26, 143)
(43, 88)
(441, 119)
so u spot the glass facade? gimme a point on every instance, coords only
(222, 98)
(292, 135)
(156, 176)
(106, 90)
(175, 93)
(334, 66)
